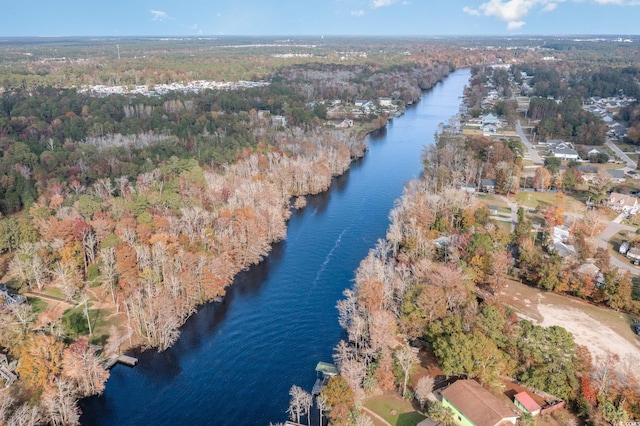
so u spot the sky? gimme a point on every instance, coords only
(318, 17)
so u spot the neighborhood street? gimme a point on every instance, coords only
(533, 153)
(631, 165)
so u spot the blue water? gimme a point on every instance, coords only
(236, 360)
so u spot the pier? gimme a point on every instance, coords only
(122, 359)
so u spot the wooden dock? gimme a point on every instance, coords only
(5, 372)
(122, 359)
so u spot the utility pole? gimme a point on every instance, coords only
(118, 47)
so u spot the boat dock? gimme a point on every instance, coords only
(324, 372)
(122, 359)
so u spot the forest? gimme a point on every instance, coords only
(135, 210)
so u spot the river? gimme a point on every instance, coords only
(236, 360)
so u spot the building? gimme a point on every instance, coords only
(488, 185)
(385, 102)
(473, 405)
(617, 176)
(524, 402)
(622, 202)
(563, 150)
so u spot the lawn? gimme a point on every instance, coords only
(535, 199)
(396, 411)
(494, 200)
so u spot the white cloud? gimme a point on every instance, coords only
(513, 12)
(381, 3)
(358, 12)
(159, 15)
(515, 25)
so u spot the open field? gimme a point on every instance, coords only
(601, 330)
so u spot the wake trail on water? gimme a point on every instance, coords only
(327, 259)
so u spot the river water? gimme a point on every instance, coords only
(236, 360)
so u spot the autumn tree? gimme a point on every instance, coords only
(339, 400)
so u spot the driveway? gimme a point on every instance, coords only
(604, 237)
(533, 153)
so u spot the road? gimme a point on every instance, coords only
(631, 165)
(602, 240)
(533, 153)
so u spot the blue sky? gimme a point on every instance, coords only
(318, 17)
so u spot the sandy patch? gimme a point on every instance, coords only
(600, 339)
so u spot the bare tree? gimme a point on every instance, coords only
(364, 420)
(60, 405)
(406, 360)
(298, 403)
(424, 387)
(321, 403)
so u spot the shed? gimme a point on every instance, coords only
(524, 402)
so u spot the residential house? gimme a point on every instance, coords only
(385, 102)
(622, 202)
(473, 405)
(588, 172)
(589, 270)
(490, 123)
(563, 150)
(359, 103)
(468, 187)
(617, 176)
(488, 185)
(524, 402)
(344, 124)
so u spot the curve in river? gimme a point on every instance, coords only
(236, 360)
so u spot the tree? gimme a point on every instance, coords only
(439, 413)
(339, 400)
(423, 389)
(299, 403)
(61, 407)
(84, 368)
(321, 403)
(600, 186)
(542, 179)
(552, 164)
(405, 362)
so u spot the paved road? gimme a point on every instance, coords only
(533, 153)
(631, 165)
(602, 239)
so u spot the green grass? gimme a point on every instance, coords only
(37, 304)
(54, 292)
(405, 414)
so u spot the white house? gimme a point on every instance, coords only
(385, 102)
(622, 202)
(563, 150)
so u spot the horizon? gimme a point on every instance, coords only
(314, 18)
